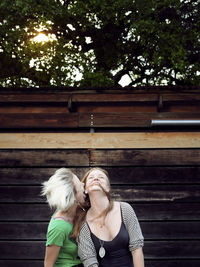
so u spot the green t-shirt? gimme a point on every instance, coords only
(58, 234)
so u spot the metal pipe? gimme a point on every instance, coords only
(175, 122)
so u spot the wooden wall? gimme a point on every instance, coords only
(156, 170)
(163, 186)
(78, 110)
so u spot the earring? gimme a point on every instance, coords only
(85, 192)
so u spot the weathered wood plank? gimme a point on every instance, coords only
(128, 96)
(86, 120)
(148, 263)
(78, 97)
(154, 175)
(184, 249)
(23, 230)
(145, 211)
(146, 157)
(17, 194)
(118, 175)
(45, 157)
(152, 249)
(38, 120)
(157, 193)
(172, 263)
(25, 212)
(134, 119)
(115, 119)
(31, 176)
(25, 250)
(151, 230)
(100, 140)
(167, 211)
(27, 108)
(165, 230)
(22, 263)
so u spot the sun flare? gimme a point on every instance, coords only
(41, 38)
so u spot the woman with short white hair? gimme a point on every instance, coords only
(64, 192)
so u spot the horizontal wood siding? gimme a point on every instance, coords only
(162, 185)
(101, 140)
(89, 120)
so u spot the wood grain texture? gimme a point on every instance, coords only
(165, 211)
(100, 140)
(148, 263)
(153, 249)
(130, 120)
(38, 120)
(118, 175)
(172, 249)
(172, 263)
(101, 157)
(88, 120)
(151, 230)
(22, 263)
(24, 212)
(166, 193)
(112, 96)
(161, 184)
(146, 157)
(45, 158)
(31, 176)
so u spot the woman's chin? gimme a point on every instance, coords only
(95, 187)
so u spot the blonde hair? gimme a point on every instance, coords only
(59, 189)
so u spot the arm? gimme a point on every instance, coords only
(86, 249)
(138, 258)
(51, 255)
(132, 225)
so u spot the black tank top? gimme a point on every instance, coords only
(117, 251)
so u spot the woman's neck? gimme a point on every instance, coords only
(68, 214)
(98, 203)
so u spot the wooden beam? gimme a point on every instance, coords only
(100, 140)
(38, 120)
(148, 211)
(144, 157)
(97, 97)
(170, 250)
(118, 175)
(86, 120)
(131, 119)
(44, 158)
(140, 193)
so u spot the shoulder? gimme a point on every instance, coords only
(60, 225)
(84, 229)
(128, 212)
(126, 206)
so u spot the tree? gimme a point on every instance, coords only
(97, 42)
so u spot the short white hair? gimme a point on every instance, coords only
(59, 189)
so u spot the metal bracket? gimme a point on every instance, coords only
(91, 123)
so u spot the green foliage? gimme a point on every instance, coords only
(97, 42)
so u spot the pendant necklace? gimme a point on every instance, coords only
(102, 251)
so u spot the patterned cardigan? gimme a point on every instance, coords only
(86, 249)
